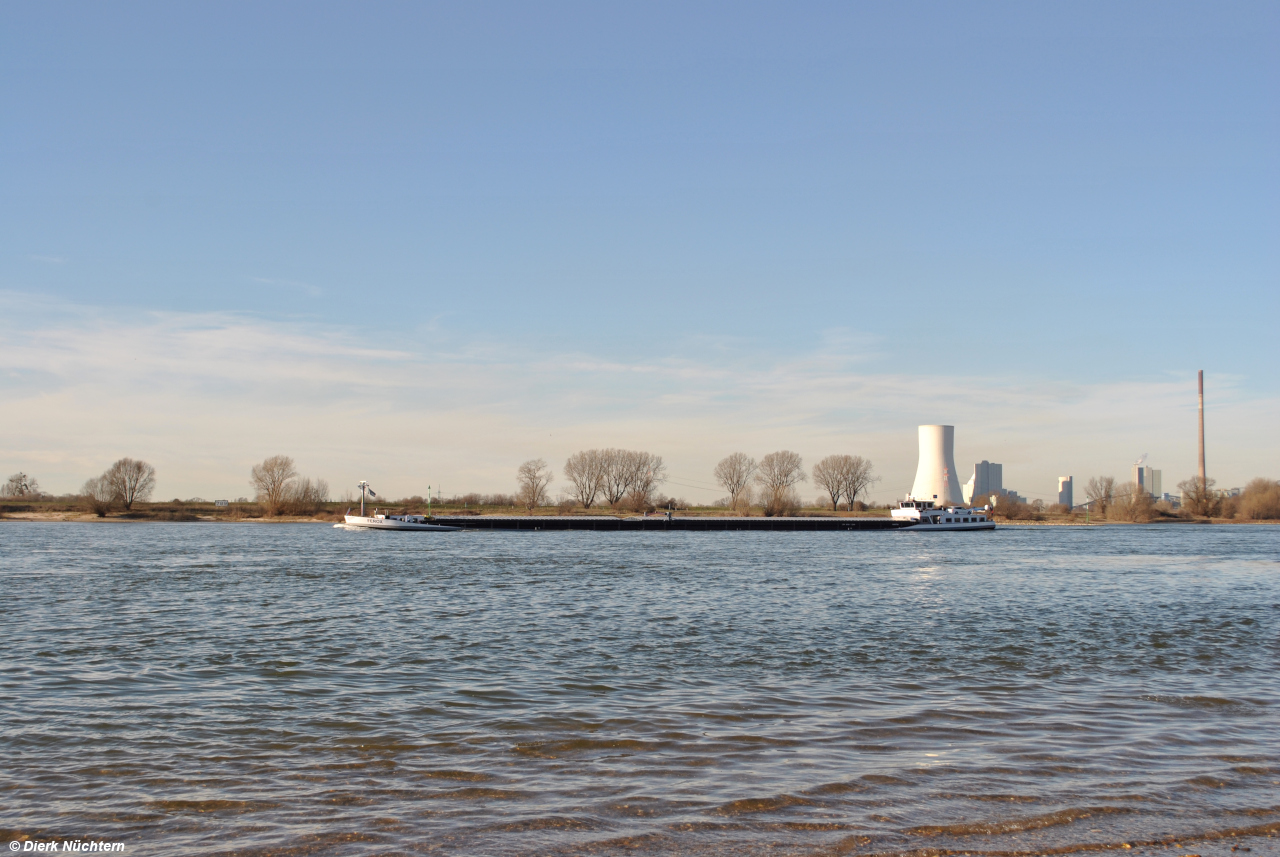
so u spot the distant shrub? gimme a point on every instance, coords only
(474, 499)
(781, 503)
(1260, 501)
(99, 495)
(1011, 508)
(1132, 503)
(305, 497)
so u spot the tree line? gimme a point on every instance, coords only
(1259, 501)
(629, 479)
(282, 491)
(771, 482)
(618, 478)
(124, 483)
(277, 485)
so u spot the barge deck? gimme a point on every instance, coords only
(661, 523)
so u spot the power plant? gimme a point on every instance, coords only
(936, 477)
(987, 479)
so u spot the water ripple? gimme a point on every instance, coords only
(254, 689)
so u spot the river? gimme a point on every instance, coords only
(299, 689)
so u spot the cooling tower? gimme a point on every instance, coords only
(936, 474)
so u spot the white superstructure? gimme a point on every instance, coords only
(925, 515)
(389, 522)
(394, 522)
(936, 478)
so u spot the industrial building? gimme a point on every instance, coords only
(936, 477)
(987, 479)
(1147, 479)
(1064, 491)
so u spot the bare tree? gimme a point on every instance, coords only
(777, 477)
(859, 476)
(645, 473)
(1101, 492)
(734, 473)
(132, 481)
(630, 463)
(630, 475)
(272, 480)
(828, 474)
(305, 497)
(843, 476)
(533, 479)
(618, 474)
(1199, 498)
(98, 495)
(586, 472)
(20, 485)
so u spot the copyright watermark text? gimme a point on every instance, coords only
(78, 846)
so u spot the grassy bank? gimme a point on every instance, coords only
(179, 511)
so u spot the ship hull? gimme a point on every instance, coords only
(379, 523)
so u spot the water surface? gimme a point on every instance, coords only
(250, 688)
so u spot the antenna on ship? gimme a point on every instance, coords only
(364, 486)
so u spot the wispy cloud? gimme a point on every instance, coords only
(291, 285)
(205, 395)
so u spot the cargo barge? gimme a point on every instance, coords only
(662, 523)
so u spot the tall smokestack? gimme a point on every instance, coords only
(1203, 484)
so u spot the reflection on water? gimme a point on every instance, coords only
(299, 689)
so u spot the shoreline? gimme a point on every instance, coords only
(169, 517)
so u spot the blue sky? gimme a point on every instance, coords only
(489, 232)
